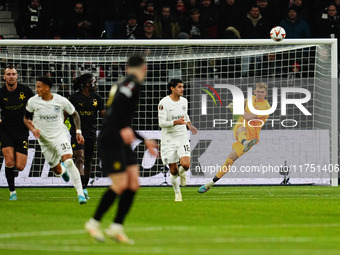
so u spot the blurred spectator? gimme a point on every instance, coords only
(269, 12)
(78, 25)
(230, 13)
(301, 10)
(166, 26)
(149, 31)
(269, 66)
(115, 13)
(181, 15)
(209, 17)
(254, 26)
(148, 13)
(337, 5)
(295, 27)
(231, 33)
(294, 73)
(194, 28)
(191, 4)
(32, 22)
(329, 27)
(142, 5)
(3, 5)
(131, 28)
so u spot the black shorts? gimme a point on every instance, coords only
(16, 140)
(88, 146)
(116, 159)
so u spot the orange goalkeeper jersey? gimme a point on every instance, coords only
(253, 126)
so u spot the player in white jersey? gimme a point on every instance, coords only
(44, 117)
(175, 147)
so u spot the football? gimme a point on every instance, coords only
(277, 33)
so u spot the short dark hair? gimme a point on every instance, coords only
(9, 67)
(254, 6)
(47, 81)
(194, 10)
(135, 61)
(173, 83)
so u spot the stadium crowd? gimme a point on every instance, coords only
(176, 19)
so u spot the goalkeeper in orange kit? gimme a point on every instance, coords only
(246, 132)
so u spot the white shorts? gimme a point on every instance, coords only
(174, 151)
(55, 149)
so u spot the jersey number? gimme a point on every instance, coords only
(65, 146)
(186, 147)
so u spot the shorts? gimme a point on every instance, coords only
(172, 152)
(55, 149)
(116, 159)
(18, 141)
(88, 146)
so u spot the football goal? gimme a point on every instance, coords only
(299, 141)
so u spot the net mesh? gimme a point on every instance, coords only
(292, 65)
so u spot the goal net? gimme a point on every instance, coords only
(292, 144)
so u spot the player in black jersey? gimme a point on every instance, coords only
(88, 104)
(114, 149)
(14, 133)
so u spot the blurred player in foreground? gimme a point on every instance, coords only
(14, 133)
(246, 135)
(175, 147)
(114, 149)
(44, 117)
(87, 104)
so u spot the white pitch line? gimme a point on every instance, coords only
(171, 228)
(41, 233)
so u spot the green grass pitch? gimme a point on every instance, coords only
(225, 220)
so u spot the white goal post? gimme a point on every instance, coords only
(306, 144)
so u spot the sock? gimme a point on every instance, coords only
(215, 179)
(10, 175)
(242, 136)
(227, 164)
(87, 175)
(210, 183)
(86, 181)
(82, 178)
(74, 176)
(63, 170)
(105, 203)
(175, 183)
(224, 168)
(181, 169)
(124, 205)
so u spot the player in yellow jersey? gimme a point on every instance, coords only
(246, 132)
